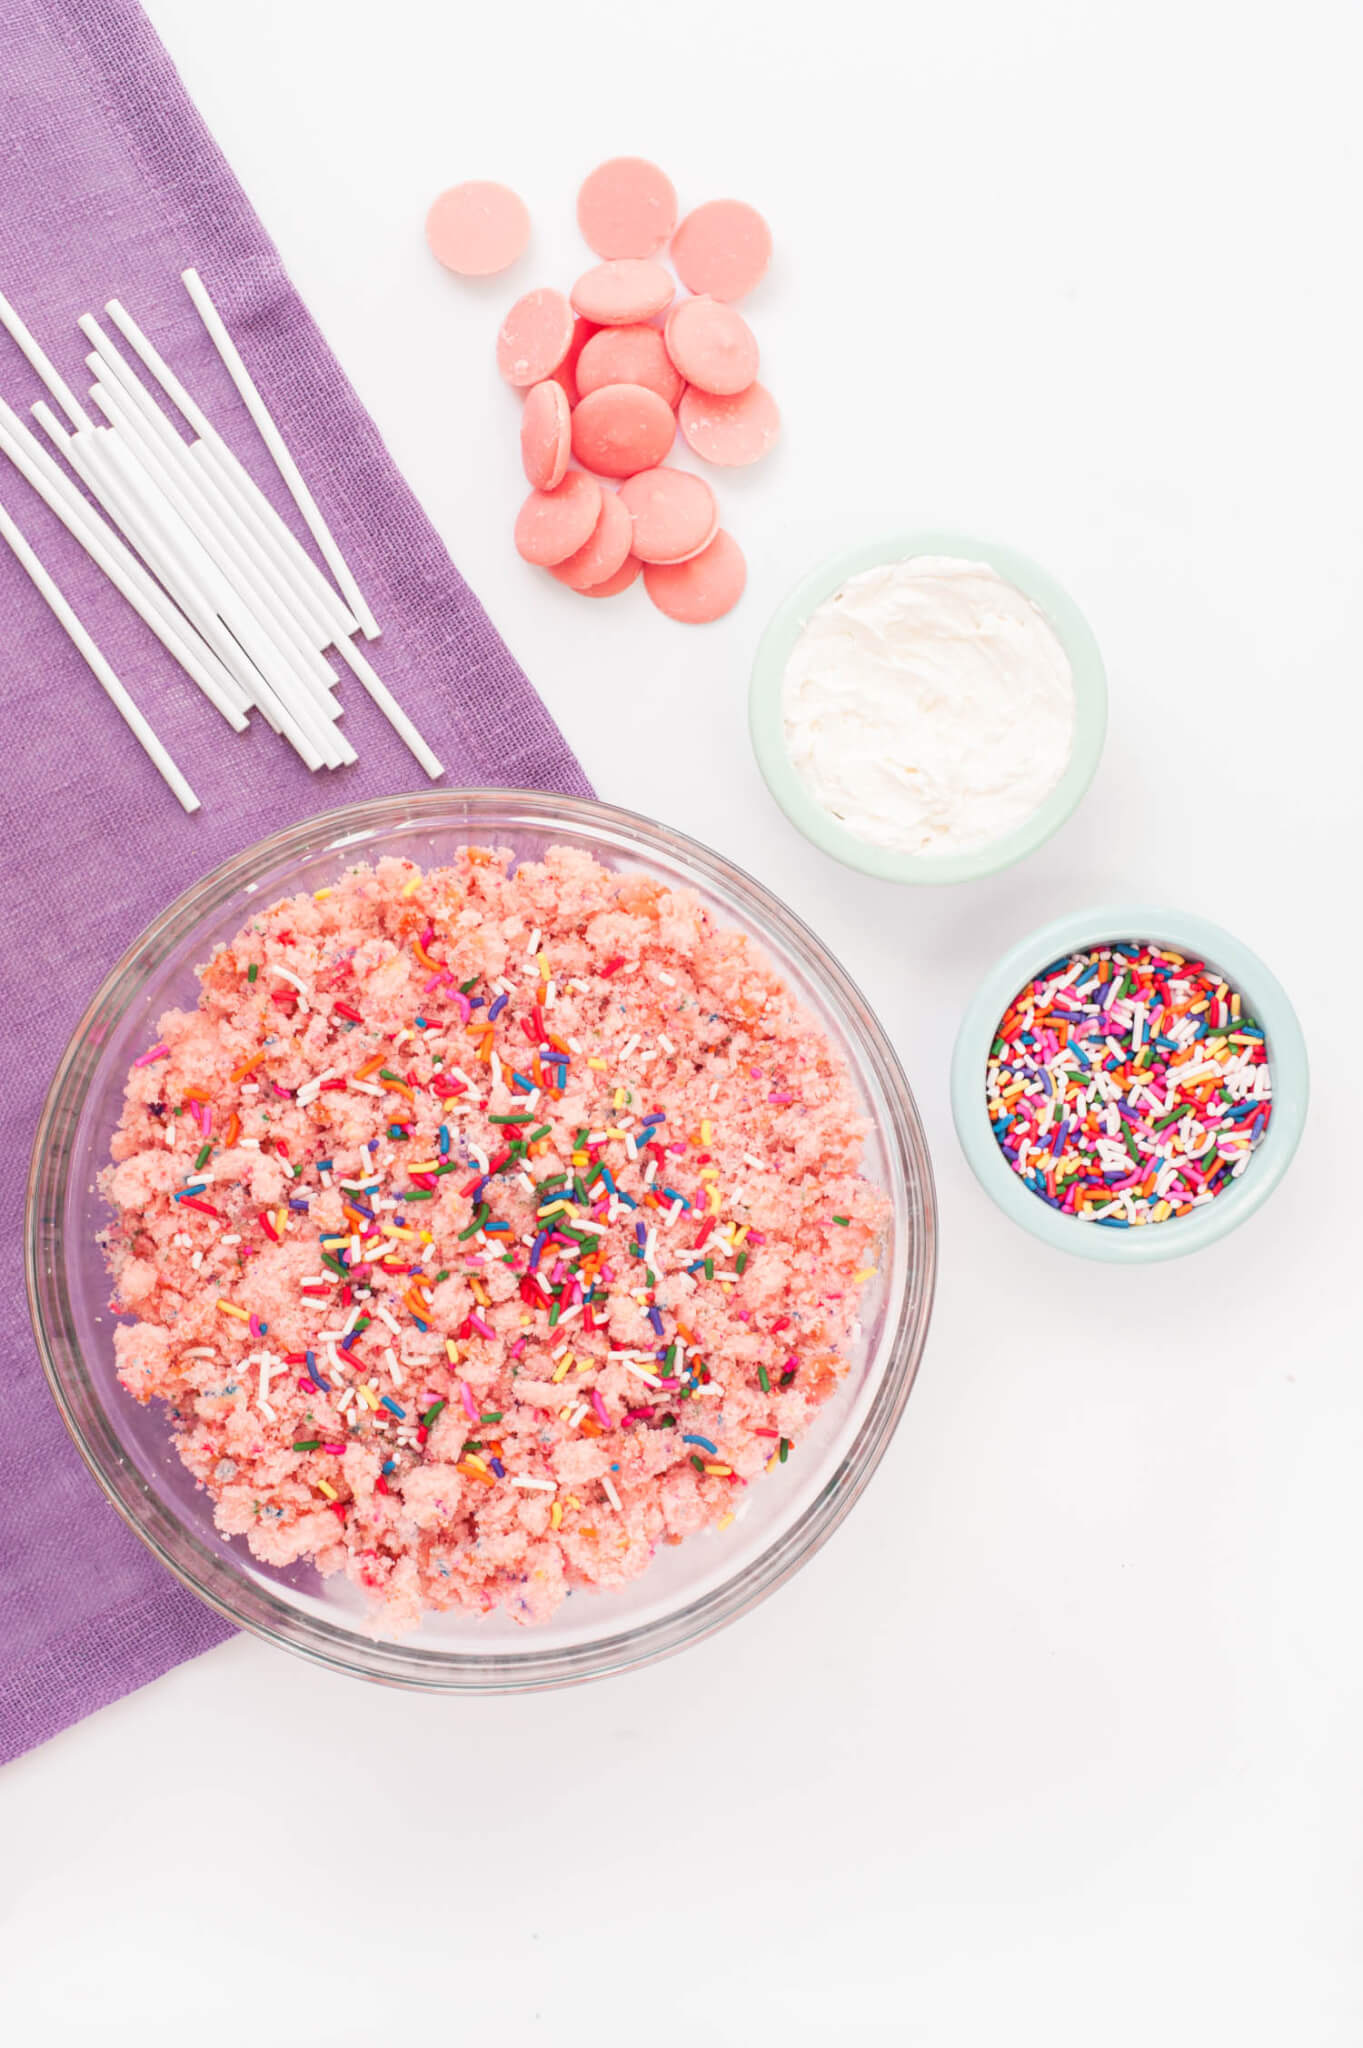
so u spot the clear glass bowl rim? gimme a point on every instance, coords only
(252, 1606)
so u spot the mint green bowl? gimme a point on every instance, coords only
(802, 807)
(1264, 999)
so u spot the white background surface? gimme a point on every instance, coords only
(1059, 1739)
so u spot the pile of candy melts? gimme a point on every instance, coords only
(612, 369)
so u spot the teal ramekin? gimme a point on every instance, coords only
(1263, 998)
(803, 808)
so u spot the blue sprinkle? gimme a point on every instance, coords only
(324, 1165)
(297, 1202)
(673, 1196)
(640, 1234)
(704, 1443)
(390, 1465)
(523, 1079)
(444, 1135)
(420, 1023)
(373, 1145)
(386, 1401)
(496, 1010)
(656, 1318)
(498, 1467)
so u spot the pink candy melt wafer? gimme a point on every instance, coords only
(729, 431)
(477, 228)
(674, 514)
(546, 435)
(621, 580)
(702, 589)
(622, 428)
(534, 338)
(617, 294)
(712, 346)
(551, 525)
(627, 207)
(629, 355)
(722, 249)
(606, 551)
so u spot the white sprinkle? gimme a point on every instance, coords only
(611, 1494)
(535, 1485)
(364, 1087)
(532, 950)
(669, 979)
(649, 1379)
(385, 1315)
(759, 1164)
(665, 1042)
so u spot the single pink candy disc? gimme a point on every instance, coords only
(534, 338)
(478, 228)
(629, 355)
(702, 589)
(622, 428)
(606, 551)
(627, 207)
(674, 514)
(722, 249)
(546, 434)
(712, 346)
(626, 574)
(617, 294)
(729, 431)
(551, 525)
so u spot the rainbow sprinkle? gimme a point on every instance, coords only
(1126, 1086)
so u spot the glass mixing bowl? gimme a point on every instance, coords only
(689, 1590)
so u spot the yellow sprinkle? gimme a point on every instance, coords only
(451, 1351)
(410, 888)
(542, 962)
(323, 1486)
(561, 1369)
(619, 1098)
(614, 1133)
(556, 1516)
(471, 1458)
(708, 1173)
(600, 1065)
(584, 1365)
(565, 1411)
(553, 1209)
(862, 1273)
(320, 895)
(281, 1220)
(705, 1130)
(714, 1201)
(579, 1159)
(229, 1308)
(573, 1501)
(525, 1322)
(724, 1521)
(741, 1233)
(425, 1166)
(719, 1471)
(368, 1396)
(426, 1237)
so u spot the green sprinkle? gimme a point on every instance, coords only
(329, 1259)
(429, 1417)
(741, 1263)
(783, 1449)
(515, 1116)
(495, 1416)
(418, 1194)
(844, 1220)
(466, 988)
(252, 971)
(480, 1216)
(386, 1074)
(667, 1422)
(312, 1443)
(709, 1269)
(764, 1379)
(699, 1463)
(443, 1274)
(205, 1153)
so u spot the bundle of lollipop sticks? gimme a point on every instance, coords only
(188, 538)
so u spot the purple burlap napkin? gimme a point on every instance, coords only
(109, 187)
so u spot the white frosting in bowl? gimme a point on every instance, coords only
(929, 706)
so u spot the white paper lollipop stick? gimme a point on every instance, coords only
(39, 361)
(283, 460)
(104, 675)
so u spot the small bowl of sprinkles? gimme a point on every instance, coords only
(1130, 1084)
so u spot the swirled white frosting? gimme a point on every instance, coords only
(928, 705)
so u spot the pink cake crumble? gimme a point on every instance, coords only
(486, 1228)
